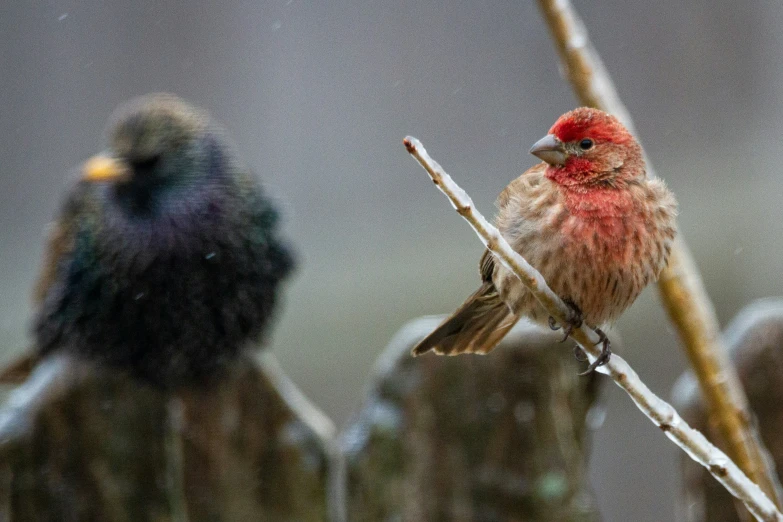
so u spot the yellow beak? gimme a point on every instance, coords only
(103, 168)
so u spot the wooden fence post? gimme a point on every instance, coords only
(755, 341)
(473, 438)
(80, 442)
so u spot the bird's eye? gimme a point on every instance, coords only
(586, 144)
(146, 164)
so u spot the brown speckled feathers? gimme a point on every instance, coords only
(592, 223)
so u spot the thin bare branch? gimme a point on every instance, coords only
(684, 296)
(661, 413)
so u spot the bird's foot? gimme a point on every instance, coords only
(573, 320)
(603, 357)
(553, 324)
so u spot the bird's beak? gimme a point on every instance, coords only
(550, 149)
(103, 168)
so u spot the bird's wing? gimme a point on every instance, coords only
(61, 237)
(487, 266)
(525, 183)
(59, 242)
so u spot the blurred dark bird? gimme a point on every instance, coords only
(165, 259)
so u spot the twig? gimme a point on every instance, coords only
(684, 296)
(660, 412)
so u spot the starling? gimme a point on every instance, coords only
(166, 259)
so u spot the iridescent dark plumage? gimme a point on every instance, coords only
(172, 269)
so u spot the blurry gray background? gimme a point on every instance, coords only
(318, 97)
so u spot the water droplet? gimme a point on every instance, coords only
(596, 416)
(62, 17)
(552, 486)
(139, 296)
(209, 256)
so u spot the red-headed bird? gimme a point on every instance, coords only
(588, 218)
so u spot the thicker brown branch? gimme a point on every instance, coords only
(686, 301)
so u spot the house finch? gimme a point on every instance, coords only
(587, 218)
(165, 259)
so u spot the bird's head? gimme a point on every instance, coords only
(159, 148)
(587, 147)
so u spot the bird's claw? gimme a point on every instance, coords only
(553, 324)
(603, 357)
(567, 332)
(573, 320)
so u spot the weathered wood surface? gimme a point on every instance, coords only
(473, 438)
(81, 443)
(755, 340)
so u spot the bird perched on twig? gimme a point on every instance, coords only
(588, 219)
(165, 259)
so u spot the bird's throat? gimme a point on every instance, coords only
(136, 199)
(597, 202)
(576, 171)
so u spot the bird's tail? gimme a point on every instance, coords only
(476, 327)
